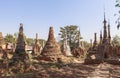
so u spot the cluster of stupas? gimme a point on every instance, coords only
(105, 50)
(51, 51)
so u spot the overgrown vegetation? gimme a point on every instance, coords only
(116, 40)
(9, 38)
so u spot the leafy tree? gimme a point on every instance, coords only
(30, 41)
(13, 38)
(116, 40)
(71, 32)
(117, 5)
(41, 41)
(9, 38)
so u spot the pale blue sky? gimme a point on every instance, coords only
(38, 15)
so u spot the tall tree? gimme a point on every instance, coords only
(117, 5)
(71, 32)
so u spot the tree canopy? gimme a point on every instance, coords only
(117, 5)
(116, 40)
(71, 31)
(9, 38)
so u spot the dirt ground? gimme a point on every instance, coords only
(74, 70)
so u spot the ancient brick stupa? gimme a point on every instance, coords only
(79, 49)
(20, 45)
(36, 48)
(51, 51)
(20, 53)
(104, 51)
(92, 52)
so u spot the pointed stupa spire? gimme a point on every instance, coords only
(51, 35)
(100, 37)
(36, 47)
(91, 42)
(104, 17)
(21, 29)
(36, 40)
(95, 39)
(20, 41)
(105, 30)
(109, 36)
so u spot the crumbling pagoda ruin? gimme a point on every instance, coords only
(105, 51)
(51, 51)
(20, 45)
(37, 47)
(79, 49)
(20, 53)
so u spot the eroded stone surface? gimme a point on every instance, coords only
(79, 49)
(20, 54)
(37, 47)
(105, 49)
(52, 48)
